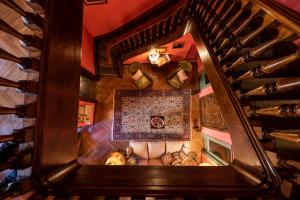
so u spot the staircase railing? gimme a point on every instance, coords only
(157, 26)
(254, 51)
(19, 115)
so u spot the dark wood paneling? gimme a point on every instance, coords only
(60, 73)
(154, 180)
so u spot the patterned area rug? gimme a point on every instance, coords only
(152, 114)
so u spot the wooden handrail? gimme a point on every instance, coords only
(284, 15)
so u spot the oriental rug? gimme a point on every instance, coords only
(152, 115)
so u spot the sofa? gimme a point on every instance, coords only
(153, 152)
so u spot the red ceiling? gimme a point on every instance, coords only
(103, 18)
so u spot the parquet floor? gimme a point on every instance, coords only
(96, 140)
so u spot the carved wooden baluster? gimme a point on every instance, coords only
(23, 62)
(168, 25)
(217, 16)
(254, 52)
(192, 6)
(290, 110)
(175, 22)
(160, 30)
(210, 13)
(36, 5)
(164, 29)
(131, 47)
(182, 17)
(229, 24)
(22, 86)
(151, 34)
(154, 31)
(270, 66)
(127, 45)
(214, 14)
(247, 38)
(34, 22)
(123, 47)
(292, 137)
(28, 111)
(19, 135)
(148, 34)
(240, 28)
(204, 13)
(219, 24)
(139, 40)
(29, 42)
(231, 21)
(132, 43)
(281, 86)
(198, 11)
(145, 36)
(201, 12)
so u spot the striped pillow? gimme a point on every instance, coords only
(167, 159)
(177, 159)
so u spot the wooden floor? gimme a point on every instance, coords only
(97, 143)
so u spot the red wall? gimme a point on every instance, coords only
(293, 4)
(87, 50)
(103, 18)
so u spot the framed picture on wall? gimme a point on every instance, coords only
(81, 111)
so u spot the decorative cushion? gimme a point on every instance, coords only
(156, 162)
(138, 74)
(182, 75)
(142, 82)
(172, 146)
(167, 159)
(140, 149)
(177, 159)
(190, 162)
(175, 81)
(156, 149)
(191, 159)
(182, 154)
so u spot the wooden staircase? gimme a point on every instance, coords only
(250, 51)
(256, 50)
(19, 90)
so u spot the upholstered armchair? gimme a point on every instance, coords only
(141, 79)
(178, 76)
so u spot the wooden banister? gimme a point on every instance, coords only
(284, 15)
